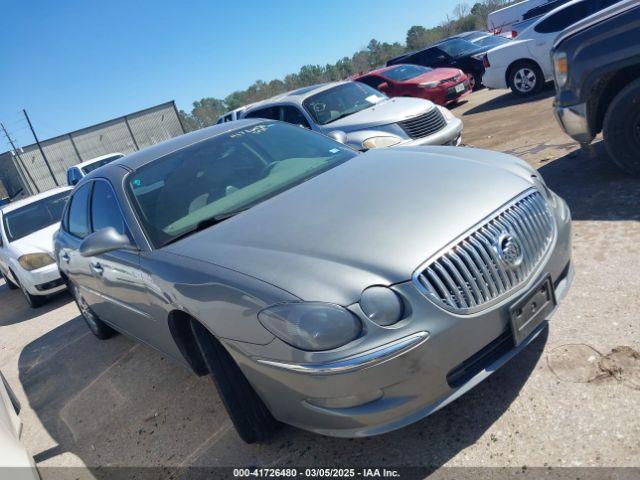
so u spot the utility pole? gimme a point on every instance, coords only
(40, 147)
(17, 153)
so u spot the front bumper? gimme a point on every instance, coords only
(573, 120)
(406, 378)
(43, 281)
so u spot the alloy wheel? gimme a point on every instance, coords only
(525, 80)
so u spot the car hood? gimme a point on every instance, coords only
(39, 241)
(370, 221)
(383, 113)
(436, 74)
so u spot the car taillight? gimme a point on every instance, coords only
(485, 61)
(514, 34)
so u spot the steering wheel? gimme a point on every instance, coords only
(268, 167)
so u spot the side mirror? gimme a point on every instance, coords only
(103, 241)
(338, 136)
(384, 86)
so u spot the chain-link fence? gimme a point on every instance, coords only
(28, 170)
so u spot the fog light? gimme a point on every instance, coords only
(381, 305)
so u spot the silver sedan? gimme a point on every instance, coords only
(341, 292)
(361, 116)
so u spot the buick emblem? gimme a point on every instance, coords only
(509, 250)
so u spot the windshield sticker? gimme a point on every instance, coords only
(373, 98)
(334, 150)
(136, 182)
(258, 129)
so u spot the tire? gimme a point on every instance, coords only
(250, 416)
(97, 326)
(9, 282)
(34, 301)
(525, 78)
(621, 129)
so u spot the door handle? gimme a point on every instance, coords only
(96, 268)
(65, 257)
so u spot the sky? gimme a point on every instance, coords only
(74, 64)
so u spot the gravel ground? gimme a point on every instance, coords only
(570, 399)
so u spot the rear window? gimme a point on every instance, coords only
(406, 72)
(87, 169)
(33, 217)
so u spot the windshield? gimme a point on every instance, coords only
(457, 47)
(405, 72)
(341, 101)
(491, 41)
(33, 217)
(87, 169)
(231, 172)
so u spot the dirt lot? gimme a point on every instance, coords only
(571, 399)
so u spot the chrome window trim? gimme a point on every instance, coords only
(366, 359)
(504, 290)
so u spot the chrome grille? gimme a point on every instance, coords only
(425, 124)
(469, 275)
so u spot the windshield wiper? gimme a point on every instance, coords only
(206, 223)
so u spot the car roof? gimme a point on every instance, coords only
(296, 96)
(611, 11)
(135, 160)
(33, 198)
(97, 159)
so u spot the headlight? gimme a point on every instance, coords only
(311, 326)
(377, 142)
(560, 68)
(542, 188)
(33, 261)
(381, 305)
(435, 83)
(446, 113)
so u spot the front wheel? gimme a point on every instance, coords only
(525, 79)
(97, 326)
(9, 282)
(621, 129)
(250, 416)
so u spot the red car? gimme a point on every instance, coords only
(440, 85)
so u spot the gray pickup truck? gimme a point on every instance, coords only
(597, 76)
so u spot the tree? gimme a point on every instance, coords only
(207, 110)
(415, 37)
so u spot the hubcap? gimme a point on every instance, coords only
(524, 80)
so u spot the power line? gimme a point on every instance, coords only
(16, 152)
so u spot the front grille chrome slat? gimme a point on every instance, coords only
(473, 272)
(425, 124)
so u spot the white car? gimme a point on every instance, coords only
(15, 461)
(26, 244)
(524, 65)
(75, 173)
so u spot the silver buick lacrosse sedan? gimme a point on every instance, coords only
(341, 292)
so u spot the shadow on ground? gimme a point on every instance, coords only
(509, 100)
(15, 308)
(119, 403)
(593, 187)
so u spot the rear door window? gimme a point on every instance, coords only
(293, 115)
(78, 223)
(562, 19)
